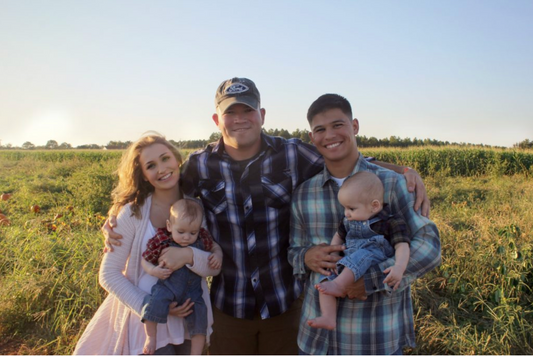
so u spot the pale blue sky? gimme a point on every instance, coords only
(94, 71)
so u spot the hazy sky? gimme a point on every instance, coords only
(95, 71)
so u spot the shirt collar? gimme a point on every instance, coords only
(218, 147)
(361, 165)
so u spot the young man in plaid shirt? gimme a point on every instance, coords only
(374, 322)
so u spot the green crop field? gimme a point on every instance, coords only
(479, 301)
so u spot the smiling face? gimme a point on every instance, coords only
(333, 133)
(159, 166)
(240, 126)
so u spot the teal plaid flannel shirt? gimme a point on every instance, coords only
(383, 323)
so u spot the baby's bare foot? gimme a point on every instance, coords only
(322, 323)
(149, 346)
(330, 288)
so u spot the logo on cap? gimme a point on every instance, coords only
(236, 88)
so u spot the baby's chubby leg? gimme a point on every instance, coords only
(197, 344)
(150, 328)
(337, 287)
(328, 308)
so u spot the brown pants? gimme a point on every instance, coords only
(273, 336)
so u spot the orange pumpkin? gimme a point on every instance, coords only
(4, 220)
(5, 196)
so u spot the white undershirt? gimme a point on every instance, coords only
(339, 181)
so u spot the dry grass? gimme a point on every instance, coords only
(478, 302)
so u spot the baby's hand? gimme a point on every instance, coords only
(394, 277)
(161, 271)
(215, 261)
(336, 253)
(333, 271)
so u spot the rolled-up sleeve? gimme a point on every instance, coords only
(200, 264)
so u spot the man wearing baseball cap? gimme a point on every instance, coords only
(245, 181)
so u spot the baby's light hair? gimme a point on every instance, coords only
(367, 186)
(186, 208)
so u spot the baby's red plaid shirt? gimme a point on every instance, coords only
(162, 240)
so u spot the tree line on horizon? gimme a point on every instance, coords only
(362, 141)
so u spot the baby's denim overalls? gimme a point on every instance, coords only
(181, 285)
(364, 247)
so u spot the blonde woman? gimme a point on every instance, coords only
(148, 185)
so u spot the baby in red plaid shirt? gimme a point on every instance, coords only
(185, 221)
(162, 240)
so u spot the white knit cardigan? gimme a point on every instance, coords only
(107, 332)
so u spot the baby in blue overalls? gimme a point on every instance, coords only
(370, 231)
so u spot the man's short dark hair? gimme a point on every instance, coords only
(328, 102)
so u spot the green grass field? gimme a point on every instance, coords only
(479, 301)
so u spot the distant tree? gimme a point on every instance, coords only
(277, 132)
(373, 142)
(284, 133)
(428, 142)
(189, 144)
(89, 147)
(51, 144)
(28, 145)
(524, 144)
(271, 132)
(117, 145)
(394, 141)
(175, 143)
(65, 146)
(111, 145)
(6, 146)
(215, 136)
(302, 135)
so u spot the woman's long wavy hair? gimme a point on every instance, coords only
(132, 187)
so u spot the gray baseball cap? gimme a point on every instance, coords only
(237, 91)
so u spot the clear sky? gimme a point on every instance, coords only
(94, 71)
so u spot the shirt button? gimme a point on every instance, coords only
(254, 280)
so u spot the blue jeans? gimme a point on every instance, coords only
(364, 247)
(181, 285)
